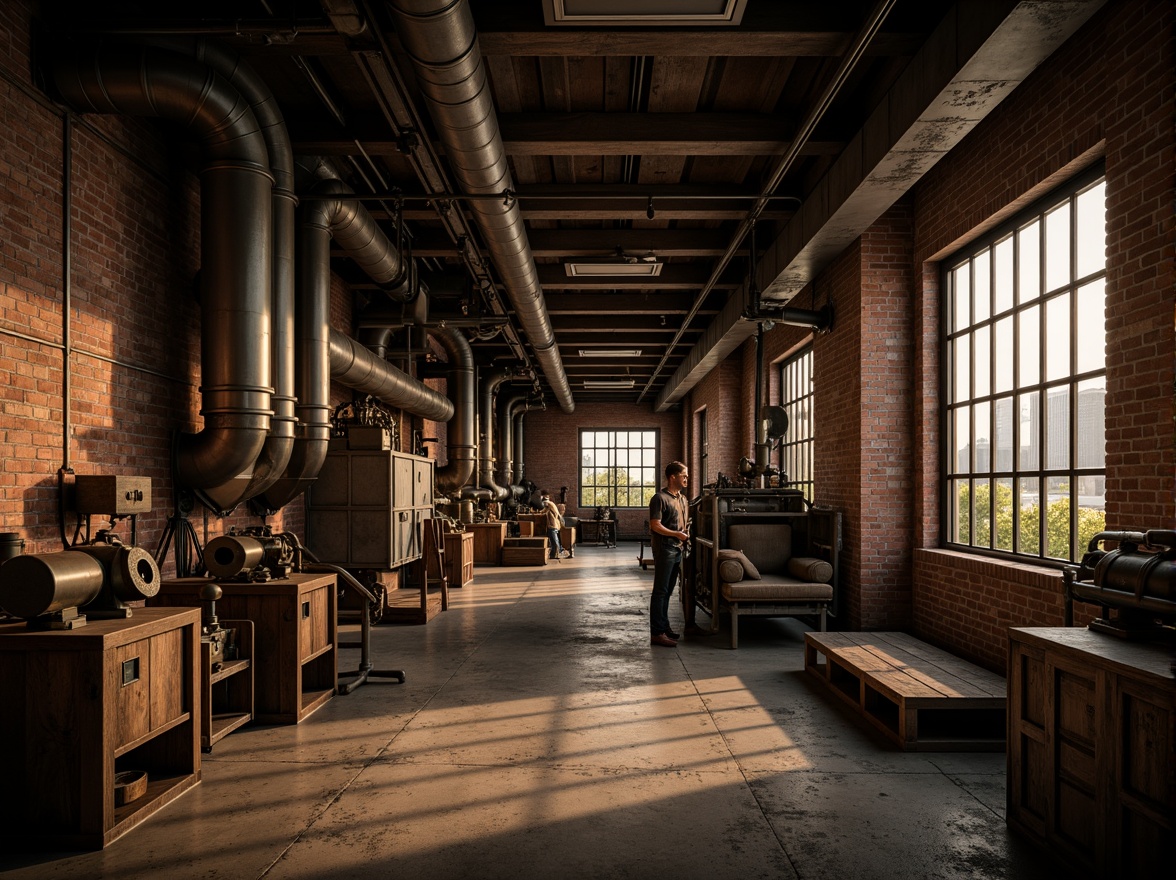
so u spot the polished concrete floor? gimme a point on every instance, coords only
(539, 735)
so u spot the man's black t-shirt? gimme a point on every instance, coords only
(672, 511)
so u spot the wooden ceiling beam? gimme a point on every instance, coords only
(686, 42)
(652, 134)
(602, 303)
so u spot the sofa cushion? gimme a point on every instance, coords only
(777, 587)
(809, 568)
(767, 545)
(730, 571)
(733, 554)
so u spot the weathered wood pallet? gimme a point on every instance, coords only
(922, 698)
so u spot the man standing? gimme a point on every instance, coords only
(668, 514)
(555, 522)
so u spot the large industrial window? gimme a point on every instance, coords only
(796, 396)
(618, 468)
(1025, 381)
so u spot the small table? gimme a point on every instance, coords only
(604, 531)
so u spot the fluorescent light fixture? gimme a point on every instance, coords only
(643, 12)
(610, 352)
(585, 269)
(609, 383)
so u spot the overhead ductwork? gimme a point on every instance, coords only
(518, 415)
(275, 454)
(459, 445)
(324, 353)
(357, 367)
(511, 405)
(236, 239)
(488, 386)
(440, 38)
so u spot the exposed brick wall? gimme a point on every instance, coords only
(1110, 91)
(552, 449)
(134, 321)
(886, 412)
(721, 394)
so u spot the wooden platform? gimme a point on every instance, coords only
(922, 698)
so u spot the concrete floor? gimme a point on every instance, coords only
(539, 735)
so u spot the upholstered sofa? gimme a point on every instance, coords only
(758, 573)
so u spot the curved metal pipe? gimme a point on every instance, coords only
(506, 403)
(236, 238)
(324, 352)
(360, 369)
(520, 464)
(275, 454)
(440, 38)
(487, 387)
(460, 435)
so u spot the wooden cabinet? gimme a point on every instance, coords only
(488, 538)
(295, 624)
(81, 706)
(368, 506)
(227, 692)
(1092, 749)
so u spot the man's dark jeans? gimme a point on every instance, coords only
(666, 564)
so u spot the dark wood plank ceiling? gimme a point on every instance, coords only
(603, 126)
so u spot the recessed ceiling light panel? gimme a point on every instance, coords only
(585, 269)
(611, 13)
(610, 352)
(609, 383)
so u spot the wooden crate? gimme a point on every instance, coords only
(525, 551)
(1092, 749)
(81, 705)
(488, 538)
(295, 633)
(922, 698)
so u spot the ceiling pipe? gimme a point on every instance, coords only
(275, 454)
(324, 353)
(488, 387)
(442, 43)
(360, 369)
(459, 444)
(519, 414)
(511, 406)
(235, 241)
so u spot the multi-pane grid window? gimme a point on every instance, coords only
(1026, 381)
(618, 468)
(796, 396)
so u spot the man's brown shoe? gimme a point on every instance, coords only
(663, 640)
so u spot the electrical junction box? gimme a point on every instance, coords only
(114, 495)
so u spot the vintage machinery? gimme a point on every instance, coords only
(1135, 584)
(50, 590)
(256, 553)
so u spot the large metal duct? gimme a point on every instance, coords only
(357, 367)
(518, 415)
(487, 387)
(508, 400)
(235, 240)
(324, 352)
(460, 434)
(440, 38)
(275, 454)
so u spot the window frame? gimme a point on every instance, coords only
(612, 488)
(1045, 391)
(804, 447)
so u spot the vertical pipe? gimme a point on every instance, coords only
(66, 305)
(66, 288)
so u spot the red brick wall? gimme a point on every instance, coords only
(134, 317)
(722, 395)
(552, 449)
(886, 413)
(1110, 91)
